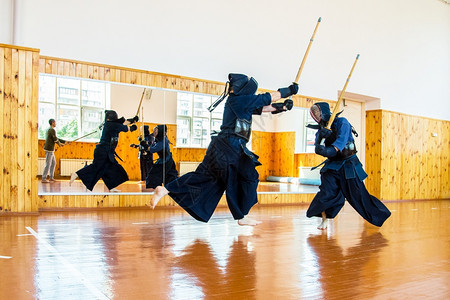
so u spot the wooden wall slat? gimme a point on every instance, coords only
(3, 138)
(21, 112)
(28, 121)
(7, 130)
(34, 126)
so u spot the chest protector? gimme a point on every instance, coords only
(243, 128)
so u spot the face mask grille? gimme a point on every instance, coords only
(316, 113)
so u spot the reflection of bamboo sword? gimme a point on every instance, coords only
(338, 104)
(140, 102)
(86, 135)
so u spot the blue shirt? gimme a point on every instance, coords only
(111, 130)
(158, 147)
(343, 131)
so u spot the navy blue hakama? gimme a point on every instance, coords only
(104, 166)
(229, 166)
(342, 180)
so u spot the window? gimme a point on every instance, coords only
(76, 105)
(297, 120)
(310, 134)
(194, 122)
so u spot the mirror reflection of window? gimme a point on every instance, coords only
(76, 105)
(310, 134)
(194, 122)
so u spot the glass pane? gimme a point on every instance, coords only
(184, 104)
(47, 88)
(218, 111)
(93, 94)
(215, 125)
(200, 132)
(201, 104)
(310, 138)
(67, 121)
(46, 112)
(183, 132)
(92, 119)
(68, 91)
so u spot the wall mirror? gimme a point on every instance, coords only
(78, 107)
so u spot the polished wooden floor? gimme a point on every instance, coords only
(165, 254)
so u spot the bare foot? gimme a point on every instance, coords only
(160, 192)
(73, 177)
(114, 190)
(246, 221)
(323, 225)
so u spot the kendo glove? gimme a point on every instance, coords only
(289, 104)
(324, 133)
(289, 91)
(329, 151)
(279, 107)
(133, 120)
(133, 127)
(121, 120)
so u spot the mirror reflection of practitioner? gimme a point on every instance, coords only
(228, 164)
(163, 170)
(145, 157)
(342, 174)
(49, 149)
(105, 166)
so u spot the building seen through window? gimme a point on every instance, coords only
(76, 105)
(194, 122)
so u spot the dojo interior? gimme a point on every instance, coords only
(63, 241)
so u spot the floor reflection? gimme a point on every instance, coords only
(198, 268)
(344, 274)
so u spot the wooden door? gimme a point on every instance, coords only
(355, 113)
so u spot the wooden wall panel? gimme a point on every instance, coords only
(262, 145)
(18, 127)
(283, 152)
(403, 158)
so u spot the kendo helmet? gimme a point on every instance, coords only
(320, 112)
(162, 131)
(146, 130)
(110, 116)
(242, 84)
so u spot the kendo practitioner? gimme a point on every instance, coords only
(342, 174)
(49, 149)
(145, 157)
(163, 170)
(105, 166)
(228, 164)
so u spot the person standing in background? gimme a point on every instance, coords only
(49, 148)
